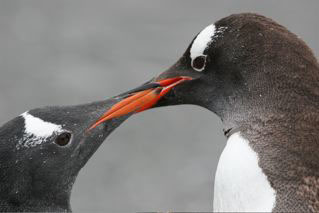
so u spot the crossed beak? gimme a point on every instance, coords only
(141, 98)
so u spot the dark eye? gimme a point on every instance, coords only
(63, 139)
(199, 63)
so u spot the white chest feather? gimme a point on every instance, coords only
(240, 184)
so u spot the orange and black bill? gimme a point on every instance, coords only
(141, 98)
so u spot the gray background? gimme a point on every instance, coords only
(72, 52)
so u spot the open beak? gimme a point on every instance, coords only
(141, 98)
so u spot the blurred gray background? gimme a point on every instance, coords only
(71, 52)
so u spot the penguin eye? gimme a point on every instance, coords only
(199, 63)
(63, 139)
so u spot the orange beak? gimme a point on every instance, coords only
(141, 99)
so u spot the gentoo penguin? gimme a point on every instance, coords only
(42, 152)
(263, 83)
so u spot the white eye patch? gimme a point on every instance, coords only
(36, 130)
(201, 43)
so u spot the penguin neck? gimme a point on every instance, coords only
(293, 132)
(23, 193)
(33, 205)
(285, 143)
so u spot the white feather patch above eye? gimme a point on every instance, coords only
(202, 41)
(39, 127)
(36, 130)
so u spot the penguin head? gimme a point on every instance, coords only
(243, 62)
(239, 66)
(42, 151)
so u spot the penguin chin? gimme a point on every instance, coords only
(92, 140)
